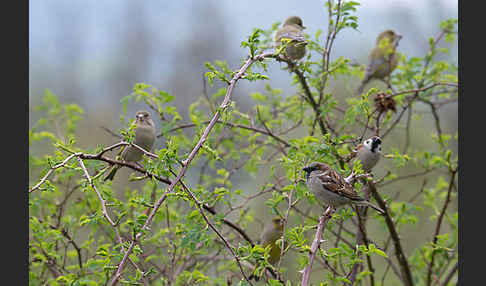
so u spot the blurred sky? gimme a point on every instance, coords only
(84, 38)
(93, 52)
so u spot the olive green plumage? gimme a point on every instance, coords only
(271, 233)
(292, 33)
(144, 138)
(383, 58)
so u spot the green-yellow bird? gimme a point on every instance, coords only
(383, 58)
(271, 233)
(144, 137)
(292, 32)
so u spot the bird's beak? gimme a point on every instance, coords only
(304, 27)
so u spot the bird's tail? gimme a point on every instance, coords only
(366, 203)
(112, 173)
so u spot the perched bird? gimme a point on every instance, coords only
(292, 32)
(330, 188)
(271, 233)
(144, 138)
(383, 59)
(368, 152)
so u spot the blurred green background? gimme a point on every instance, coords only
(93, 52)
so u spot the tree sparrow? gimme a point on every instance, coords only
(144, 137)
(330, 188)
(368, 152)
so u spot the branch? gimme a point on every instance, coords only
(230, 224)
(384, 183)
(328, 46)
(198, 204)
(282, 246)
(438, 225)
(52, 169)
(399, 253)
(307, 92)
(190, 157)
(234, 125)
(361, 238)
(424, 88)
(99, 156)
(105, 212)
(315, 244)
(450, 275)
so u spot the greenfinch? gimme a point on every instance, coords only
(271, 233)
(144, 138)
(383, 58)
(292, 33)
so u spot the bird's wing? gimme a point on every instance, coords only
(291, 34)
(334, 182)
(374, 65)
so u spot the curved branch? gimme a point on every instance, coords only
(234, 125)
(190, 157)
(315, 244)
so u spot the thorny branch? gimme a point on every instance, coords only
(315, 244)
(190, 157)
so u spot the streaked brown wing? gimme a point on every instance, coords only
(334, 182)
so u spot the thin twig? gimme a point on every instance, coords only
(450, 275)
(198, 204)
(399, 253)
(315, 244)
(190, 157)
(234, 125)
(438, 225)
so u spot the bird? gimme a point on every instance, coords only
(368, 152)
(144, 138)
(330, 188)
(383, 58)
(271, 233)
(292, 32)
